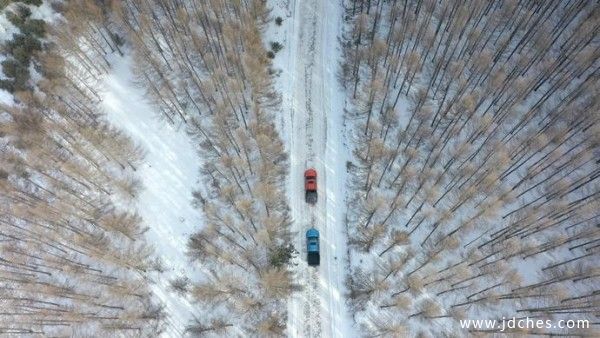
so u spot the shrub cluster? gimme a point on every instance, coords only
(21, 49)
(4, 3)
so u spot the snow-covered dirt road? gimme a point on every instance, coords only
(313, 127)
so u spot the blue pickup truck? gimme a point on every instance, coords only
(312, 247)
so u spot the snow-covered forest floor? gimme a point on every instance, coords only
(168, 176)
(474, 191)
(126, 114)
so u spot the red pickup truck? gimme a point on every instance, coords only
(310, 185)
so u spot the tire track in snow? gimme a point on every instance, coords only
(312, 313)
(312, 97)
(308, 79)
(303, 311)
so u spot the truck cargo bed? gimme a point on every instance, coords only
(313, 258)
(311, 197)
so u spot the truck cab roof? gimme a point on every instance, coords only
(312, 232)
(312, 240)
(310, 173)
(312, 247)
